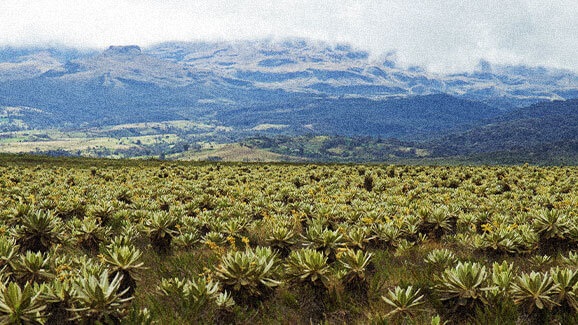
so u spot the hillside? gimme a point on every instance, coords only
(518, 130)
(179, 99)
(171, 81)
(544, 133)
(400, 118)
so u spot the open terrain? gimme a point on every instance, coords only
(162, 242)
(191, 100)
(543, 133)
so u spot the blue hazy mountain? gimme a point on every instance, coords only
(534, 126)
(309, 86)
(298, 66)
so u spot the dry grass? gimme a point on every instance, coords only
(236, 152)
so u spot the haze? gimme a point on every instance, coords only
(442, 36)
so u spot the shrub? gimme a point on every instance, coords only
(249, 275)
(405, 302)
(21, 305)
(309, 267)
(463, 287)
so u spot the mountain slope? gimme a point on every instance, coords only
(343, 71)
(401, 118)
(214, 71)
(128, 85)
(518, 130)
(543, 133)
(295, 88)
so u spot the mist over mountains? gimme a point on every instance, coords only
(297, 66)
(291, 88)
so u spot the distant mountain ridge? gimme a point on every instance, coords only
(186, 80)
(292, 66)
(292, 88)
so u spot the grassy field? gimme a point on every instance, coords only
(118, 141)
(234, 152)
(254, 243)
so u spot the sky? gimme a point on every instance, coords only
(439, 35)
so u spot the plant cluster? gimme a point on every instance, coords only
(265, 243)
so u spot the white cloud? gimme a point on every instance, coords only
(443, 36)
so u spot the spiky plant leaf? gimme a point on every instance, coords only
(534, 290)
(308, 266)
(99, 298)
(405, 302)
(21, 305)
(463, 284)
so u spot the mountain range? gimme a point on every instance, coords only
(268, 88)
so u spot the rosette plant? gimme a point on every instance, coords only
(39, 230)
(324, 240)
(439, 221)
(358, 237)
(405, 303)
(387, 234)
(8, 251)
(553, 227)
(355, 264)
(191, 295)
(281, 238)
(88, 233)
(463, 286)
(32, 267)
(161, 226)
(249, 275)
(99, 299)
(567, 295)
(124, 260)
(102, 212)
(59, 297)
(440, 258)
(535, 291)
(309, 267)
(21, 305)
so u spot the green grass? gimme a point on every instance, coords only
(14, 140)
